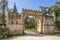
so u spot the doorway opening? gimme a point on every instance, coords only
(32, 24)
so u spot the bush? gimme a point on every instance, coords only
(58, 25)
(58, 22)
(1, 36)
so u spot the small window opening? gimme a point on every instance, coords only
(12, 22)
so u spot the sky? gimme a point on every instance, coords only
(30, 4)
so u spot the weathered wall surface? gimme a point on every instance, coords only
(37, 13)
(48, 24)
(15, 21)
(15, 29)
(48, 29)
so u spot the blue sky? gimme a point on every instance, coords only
(30, 4)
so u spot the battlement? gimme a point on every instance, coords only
(30, 10)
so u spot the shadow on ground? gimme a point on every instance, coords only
(27, 33)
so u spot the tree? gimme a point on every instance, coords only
(3, 4)
(44, 9)
(15, 8)
(30, 23)
(56, 8)
(1, 19)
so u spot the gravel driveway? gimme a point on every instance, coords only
(34, 36)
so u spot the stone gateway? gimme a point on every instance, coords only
(15, 21)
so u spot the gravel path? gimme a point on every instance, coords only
(37, 38)
(34, 36)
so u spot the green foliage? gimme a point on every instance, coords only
(58, 22)
(15, 8)
(45, 9)
(58, 18)
(56, 8)
(1, 36)
(3, 4)
(30, 23)
(2, 21)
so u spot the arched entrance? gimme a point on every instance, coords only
(32, 23)
(45, 23)
(38, 14)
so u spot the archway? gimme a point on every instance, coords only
(36, 27)
(30, 22)
(37, 14)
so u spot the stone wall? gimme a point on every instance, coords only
(15, 21)
(48, 29)
(15, 29)
(48, 24)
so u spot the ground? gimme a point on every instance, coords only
(34, 36)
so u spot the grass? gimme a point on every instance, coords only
(3, 37)
(56, 34)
